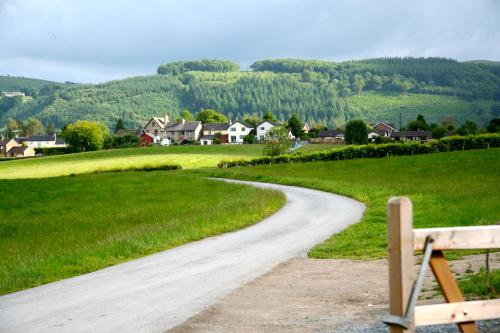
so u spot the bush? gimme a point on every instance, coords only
(53, 151)
(451, 143)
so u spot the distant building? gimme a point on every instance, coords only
(238, 130)
(12, 93)
(215, 128)
(14, 148)
(387, 129)
(306, 128)
(167, 132)
(329, 136)
(45, 141)
(264, 127)
(421, 136)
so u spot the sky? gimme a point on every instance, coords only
(91, 41)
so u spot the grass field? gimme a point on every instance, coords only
(186, 156)
(447, 189)
(60, 227)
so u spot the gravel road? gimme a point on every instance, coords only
(158, 292)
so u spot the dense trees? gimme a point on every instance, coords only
(295, 125)
(356, 132)
(86, 135)
(210, 116)
(324, 94)
(205, 65)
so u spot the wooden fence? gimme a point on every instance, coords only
(403, 241)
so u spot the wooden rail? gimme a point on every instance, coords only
(403, 240)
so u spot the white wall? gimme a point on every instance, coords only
(237, 132)
(262, 130)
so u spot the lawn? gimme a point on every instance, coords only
(186, 156)
(189, 157)
(55, 228)
(447, 189)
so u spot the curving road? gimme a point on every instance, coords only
(158, 292)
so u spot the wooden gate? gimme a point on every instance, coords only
(404, 240)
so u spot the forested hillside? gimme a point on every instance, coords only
(319, 92)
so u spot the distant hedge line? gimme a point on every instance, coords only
(54, 151)
(452, 143)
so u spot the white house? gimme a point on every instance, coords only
(207, 140)
(45, 141)
(237, 131)
(264, 127)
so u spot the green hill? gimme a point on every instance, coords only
(17, 83)
(319, 92)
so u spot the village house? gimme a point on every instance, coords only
(329, 136)
(306, 128)
(384, 129)
(15, 149)
(421, 136)
(237, 131)
(214, 130)
(163, 131)
(45, 141)
(264, 127)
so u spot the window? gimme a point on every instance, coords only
(156, 132)
(241, 137)
(233, 129)
(233, 138)
(243, 129)
(262, 128)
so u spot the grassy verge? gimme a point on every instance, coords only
(56, 228)
(476, 285)
(447, 189)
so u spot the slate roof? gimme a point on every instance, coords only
(40, 138)
(207, 137)
(274, 123)
(187, 126)
(18, 149)
(329, 133)
(242, 123)
(216, 127)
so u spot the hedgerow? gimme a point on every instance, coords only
(451, 143)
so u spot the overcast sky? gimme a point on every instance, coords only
(100, 40)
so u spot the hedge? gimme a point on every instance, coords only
(54, 151)
(451, 143)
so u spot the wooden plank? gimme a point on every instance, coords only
(454, 313)
(401, 259)
(449, 286)
(478, 237)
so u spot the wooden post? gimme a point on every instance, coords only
(401, 259)
(448, 285)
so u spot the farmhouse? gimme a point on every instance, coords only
(14, 148)
(329, 136)
(211, 131)
(306, 128)
(372, 135)
(45, 141)
(166, 132)
(264, 127)
(386, 129)
(238, 130)
(421, 136)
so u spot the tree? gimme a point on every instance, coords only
(249, 139)
(356, 132)
(468, 128)
(418, 124)
(295, 125)
(494, 125)
(207, 116)
(34, 127)
(438, 132)
(277, 141)
(186, 115)
(50, 129)
(269, 116)
(119, 125)
(86, 135)
(253, 120)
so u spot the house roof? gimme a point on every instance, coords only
(242, 123)
(391, 125)
(407, 134)
(19, 140)
(216, 127)
(160, 121)
(377, 132)
(207, 137)
(4, 142)
(18, 149)
(329, 133)
(40, 138)
(152, 136)
(186, 126)
(274, 123)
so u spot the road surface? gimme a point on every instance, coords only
(158, 292)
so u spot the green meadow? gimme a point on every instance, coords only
(55, 228)
(447, 189)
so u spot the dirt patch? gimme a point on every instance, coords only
(307, 295)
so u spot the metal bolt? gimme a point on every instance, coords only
(466, 312)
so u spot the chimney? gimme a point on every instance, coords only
(230, 121)
(182, 121)
(167, 119)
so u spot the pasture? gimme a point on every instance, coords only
(447, 189)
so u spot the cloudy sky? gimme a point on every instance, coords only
(100, 40)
